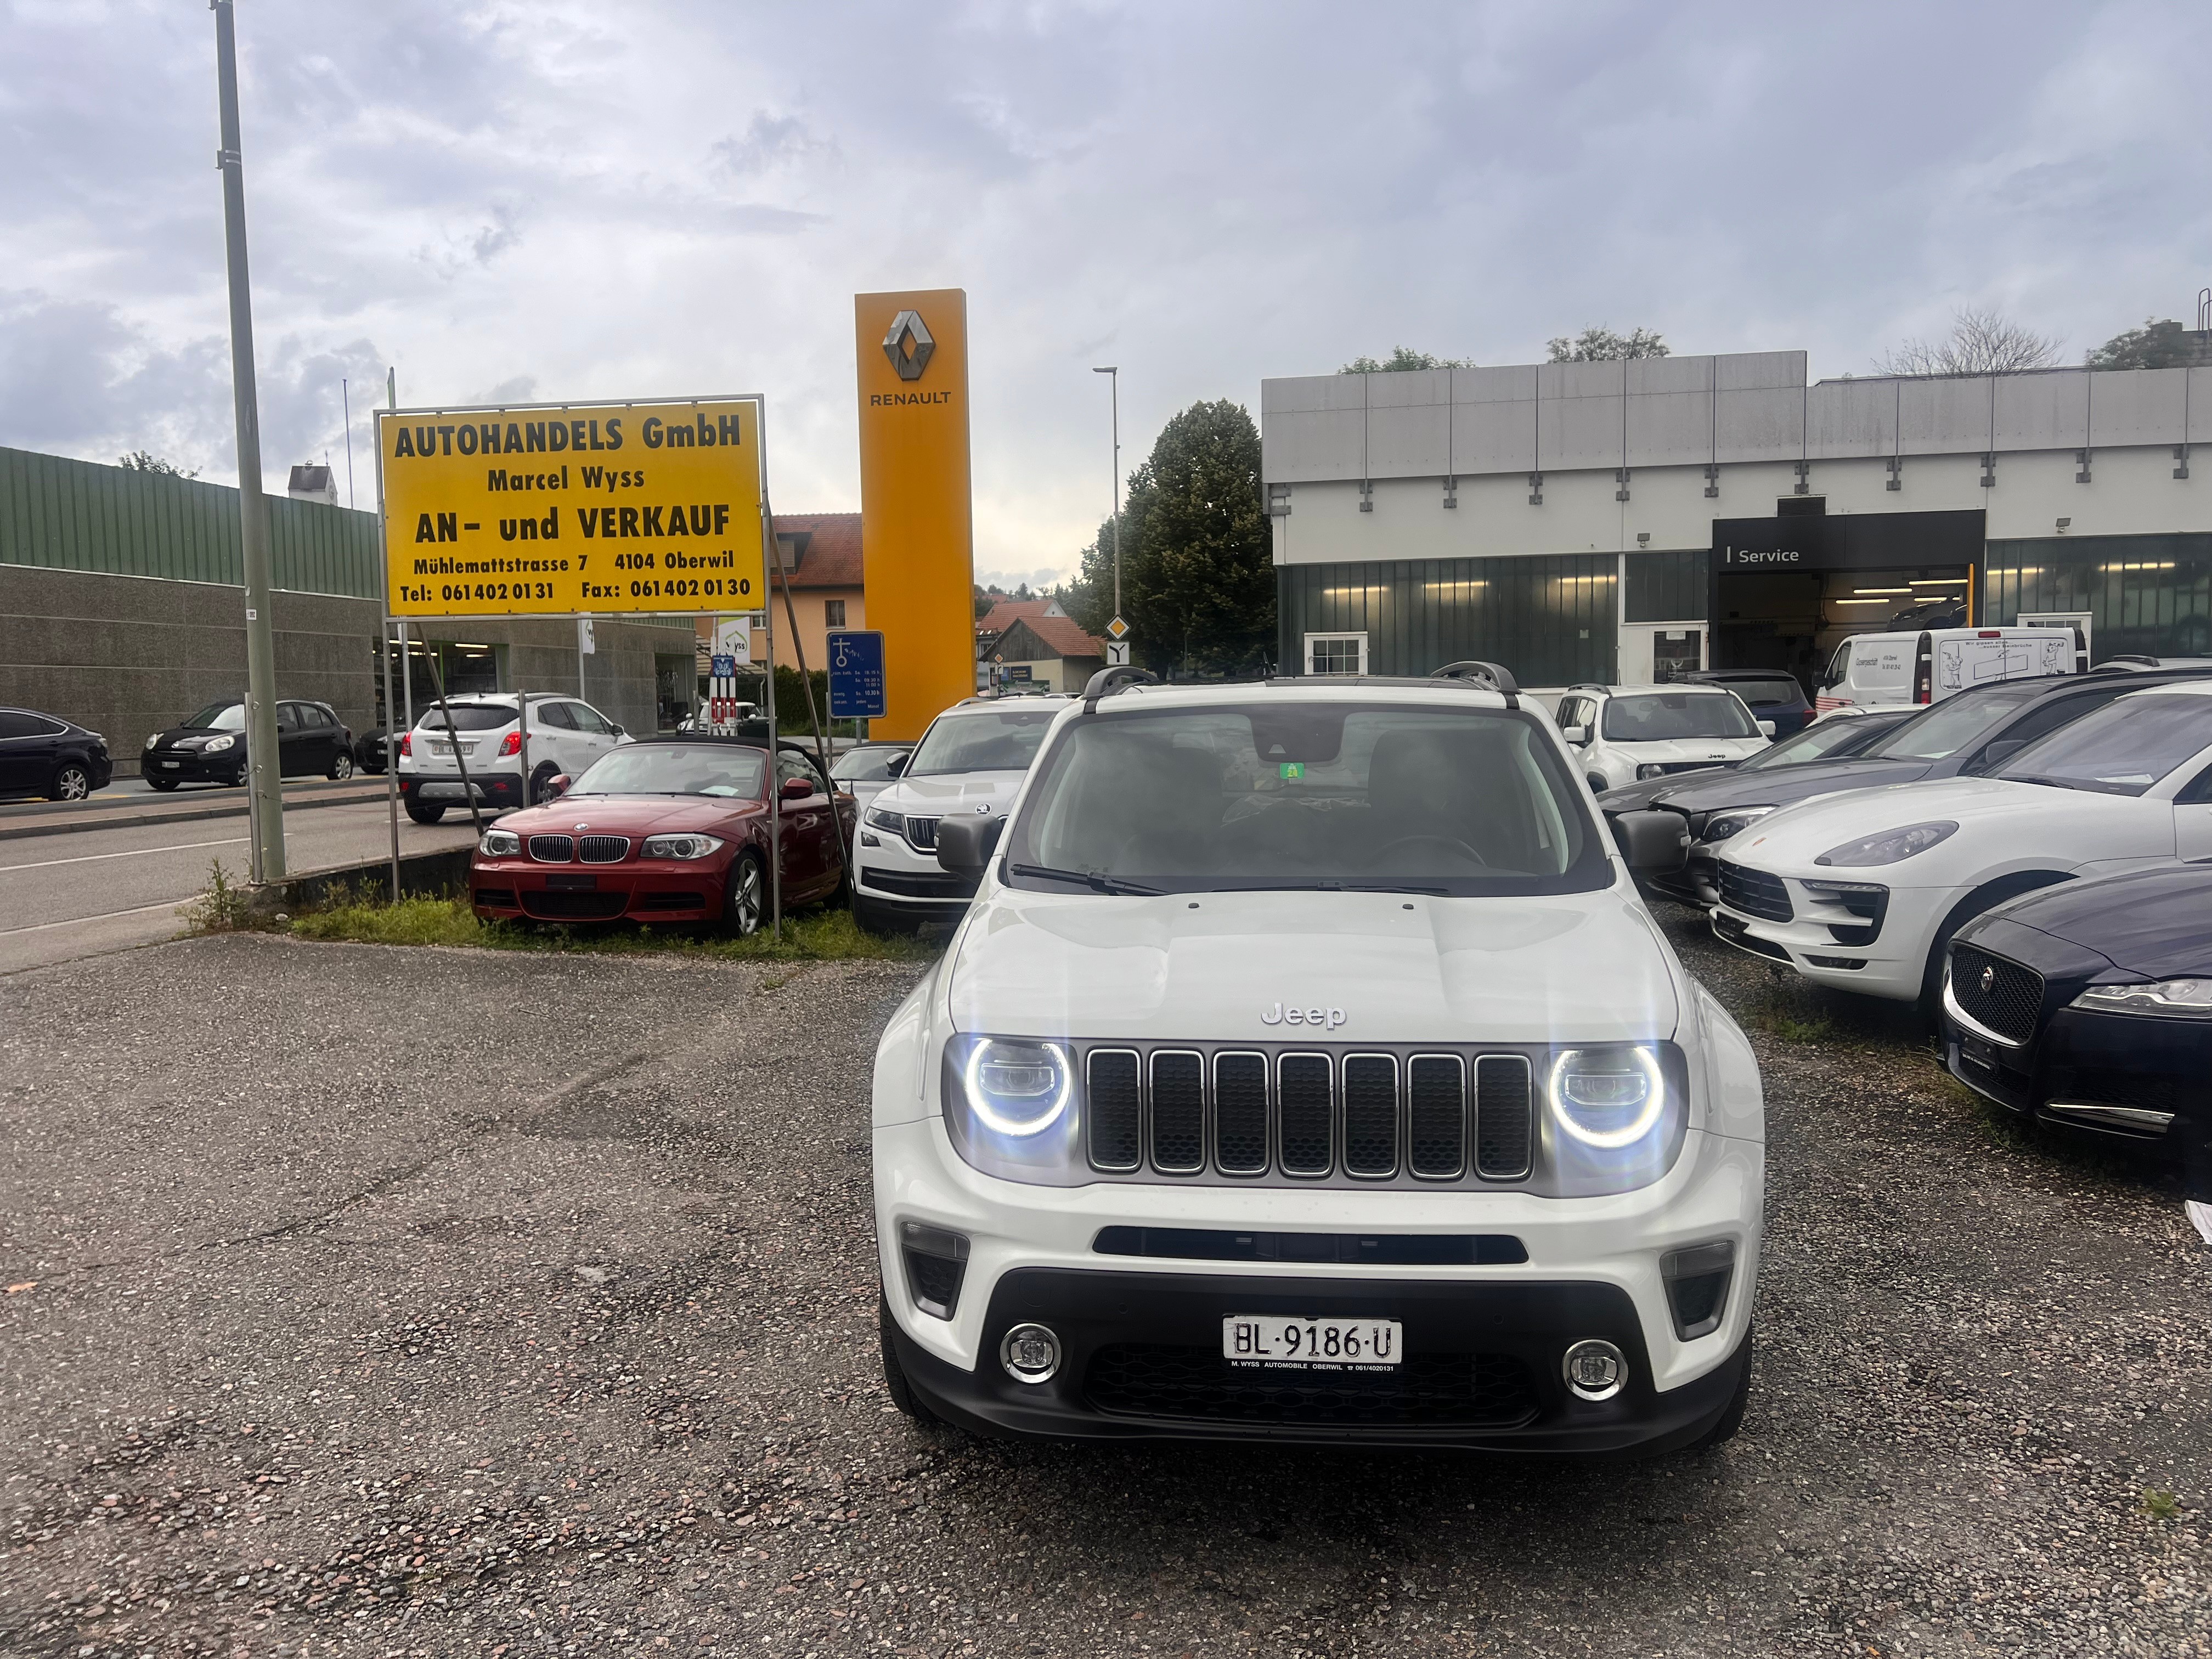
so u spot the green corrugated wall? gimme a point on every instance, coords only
(63, 514)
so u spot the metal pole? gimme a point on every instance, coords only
(522, 729)
(582, 694)
(391, 742)
(821, 747)
(468, 789)
(769, 555)
(1113, 381)
(345, 397)
(264, 760)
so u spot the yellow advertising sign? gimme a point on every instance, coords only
(558, 509)
(916, 511)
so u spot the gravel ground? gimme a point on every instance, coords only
(388, 1302)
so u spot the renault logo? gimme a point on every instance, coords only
(908, 345)
(1988, 980)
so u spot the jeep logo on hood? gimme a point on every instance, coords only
(1328, 1017)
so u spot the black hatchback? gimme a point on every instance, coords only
(210, 746)
(45, 755)
(2090, 1003)
(1773, 694)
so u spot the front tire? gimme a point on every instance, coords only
(745, 897)
(1732, 1419)
(161, 785)
(423, 814)
(541, 783)
(895, 1383)
(341, 767)
(70, 782)
(879, 917)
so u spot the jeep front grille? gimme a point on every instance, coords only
(1411, 1117)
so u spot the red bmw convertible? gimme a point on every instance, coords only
(669, 829)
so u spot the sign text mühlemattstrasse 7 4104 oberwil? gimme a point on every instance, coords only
(546, 510)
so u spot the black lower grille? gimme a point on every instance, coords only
(553, 850)
(671, 901)
(1240, 1114)
(1437, 1100)
(1504, 1117)
(1737, 932)
(1178, 1112)
(918, 883)
(2105, 1087)
(1306, 1109)
(574, 907)
(1993, 992)
(1427, 1391)
(1370, 1115)
(1755, 893)
(498, 898)
(1116, 1115)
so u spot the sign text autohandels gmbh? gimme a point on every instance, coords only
(544, 511)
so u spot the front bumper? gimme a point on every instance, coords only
(663, 890)
(887, 870)
(1141, 1360)
(192, 765)
(1890, 965)
(1587, 1267)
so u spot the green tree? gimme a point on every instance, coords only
(139, 461)
(1402, 358)
(1197, 577)
(2155, 345)
(1602, 345)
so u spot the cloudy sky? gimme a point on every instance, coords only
(557, 199)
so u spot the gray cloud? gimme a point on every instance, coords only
(683, 196)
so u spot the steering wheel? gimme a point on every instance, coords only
(1451, 843)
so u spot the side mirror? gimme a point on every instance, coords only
(796, 789)
(965, 846)
(1766, 729)
(618, 731)
(1576, 735)
(895, 766)
(2001, 751)
(558, 786)
(1653, 840)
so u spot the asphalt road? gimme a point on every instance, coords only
(363, 1302)
(64, 897)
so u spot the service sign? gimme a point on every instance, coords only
(550, 510)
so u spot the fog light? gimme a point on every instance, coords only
(1031, 1353)
(1596, 1369)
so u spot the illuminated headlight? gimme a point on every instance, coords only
(499, 844)
(2175, 999)
(1890, 847)
(1617, 1114)
(216, 745)
(679, 847)
(1010, 1105)
(152, 738)
(1733, 821)
(884, 818)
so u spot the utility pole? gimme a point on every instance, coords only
(266, 795)
(1114, 381)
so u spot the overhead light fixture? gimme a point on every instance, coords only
(1858, 601)
(463, 645)
(1644, 538)
(2144, 565)
(1881, 590)
(2063, 523)
(1929, 581)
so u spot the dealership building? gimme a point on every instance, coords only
(1619, 521)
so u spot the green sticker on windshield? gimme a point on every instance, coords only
(1291, 769)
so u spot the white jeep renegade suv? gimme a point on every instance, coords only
(1308, 1068)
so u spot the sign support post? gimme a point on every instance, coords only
(384, 638)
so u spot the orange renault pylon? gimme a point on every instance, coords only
(669, 829)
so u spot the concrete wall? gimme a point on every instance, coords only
(130, 655)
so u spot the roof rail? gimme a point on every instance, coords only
(1589, 685)
(1493, 675)
(1108, 681)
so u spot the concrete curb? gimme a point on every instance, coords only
(422, 875)
(65, 823)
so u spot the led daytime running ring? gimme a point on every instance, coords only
(978, 1103)
(1655, 1103)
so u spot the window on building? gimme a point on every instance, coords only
(1336, 654)
(832, 613)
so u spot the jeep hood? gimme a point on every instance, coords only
(1672, 751)
(1229, 967)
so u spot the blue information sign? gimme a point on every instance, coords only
(856, 675)
(725, 667)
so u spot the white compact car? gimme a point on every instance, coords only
(1863, 890)
(567, 734)
(970, 763)
(1625, 734)
(1309, 1069)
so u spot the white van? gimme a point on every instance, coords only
(1871, 670)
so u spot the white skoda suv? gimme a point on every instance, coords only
(968, 763)
(1308, 1068)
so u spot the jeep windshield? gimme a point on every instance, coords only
(987, 740)
(1304, 795)
(1658, 716)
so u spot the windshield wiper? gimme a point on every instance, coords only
(1092, 878)
(2038, 777)
(1332, 885)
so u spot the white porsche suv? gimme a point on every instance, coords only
(1308, 1068)
(968, 763)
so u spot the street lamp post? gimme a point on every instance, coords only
(1114, 381)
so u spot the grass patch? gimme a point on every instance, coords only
(2159, 1504)
(221, 910)
(822, 935)
(1783, 1009)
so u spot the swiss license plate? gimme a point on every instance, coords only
(1360, 1345)
(1976, 1053)
(172, 765)
(437, 748)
